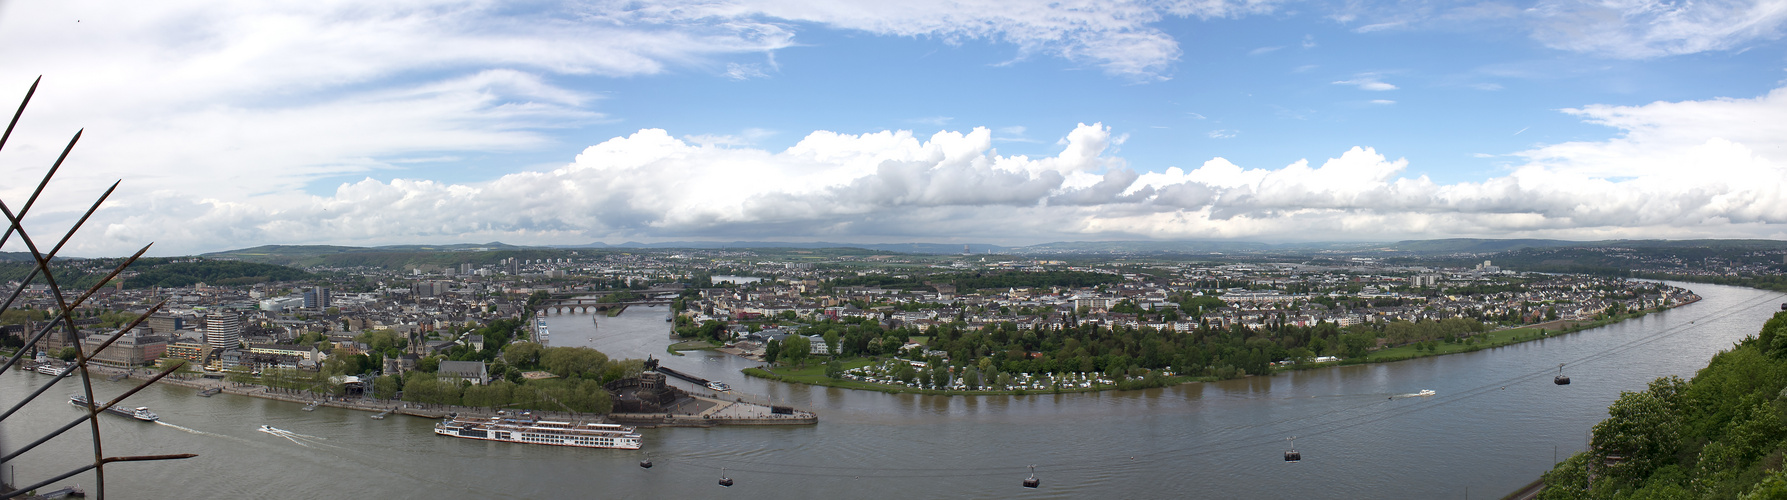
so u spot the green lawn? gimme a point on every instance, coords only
(694, 345)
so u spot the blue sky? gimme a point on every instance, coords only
(436, 121)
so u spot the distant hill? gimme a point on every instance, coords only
(398, 256)
(925, 248)
(1474, 245)
(164, 272)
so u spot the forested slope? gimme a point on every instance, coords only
(1721, 435)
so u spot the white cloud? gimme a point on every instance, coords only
(1367, 82)
(234, 101)
(1652, 28)
(1264, 50)
(935, 121)
(1674, 173)
(1380, 26)
(1117, 36)
(1382, 102)
(1223, 134)
(738, 71)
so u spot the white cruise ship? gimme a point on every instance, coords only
(527, 429)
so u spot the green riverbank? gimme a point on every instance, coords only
(815, 375)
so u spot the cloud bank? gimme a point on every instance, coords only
(1671, 174)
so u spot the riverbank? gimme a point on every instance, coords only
(1488, 340)
(815, 375)
(372, 405)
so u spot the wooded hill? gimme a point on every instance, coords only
(1721, 435)
(158, 272)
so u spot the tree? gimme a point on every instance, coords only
(385, 387)
(1642, 427)
(796, 349)
(68, 353)
(573, 362)
(831, 342)
(834, 369)
(523, 354)
(428, 365)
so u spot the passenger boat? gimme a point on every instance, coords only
(51, 369)
(719, 386)
(312, 406)
(1425, 393)
(140, 413)
(525, 428)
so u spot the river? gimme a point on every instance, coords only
(1491, 428)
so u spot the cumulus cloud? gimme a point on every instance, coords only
(232, 101)
(1672, 173)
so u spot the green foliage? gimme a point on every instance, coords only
(20, 316)
(573, 362)
(583, 396)
(165, 272)
(795, 349)
(1721, 435)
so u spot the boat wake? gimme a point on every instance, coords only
(1424, 393)
(190, 430)
(304, 440)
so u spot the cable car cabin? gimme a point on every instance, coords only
(1032, 481)
(725, 481)
(1784, 306)
(1293, 456)
(1561, 380)
(645, 464)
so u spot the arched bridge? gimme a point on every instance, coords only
(584, 305)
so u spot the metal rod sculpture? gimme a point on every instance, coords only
(44, 271)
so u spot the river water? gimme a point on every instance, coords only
(1491, 428)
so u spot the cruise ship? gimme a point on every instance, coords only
(51, 369)
(527, 429)
(140, 413)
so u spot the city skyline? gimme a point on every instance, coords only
(567, 123)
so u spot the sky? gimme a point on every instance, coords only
(237, 124)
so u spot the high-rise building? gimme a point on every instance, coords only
(465, 268)
(514, 266)
(316, 298)
(223, 330)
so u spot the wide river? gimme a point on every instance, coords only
(1494, 425)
